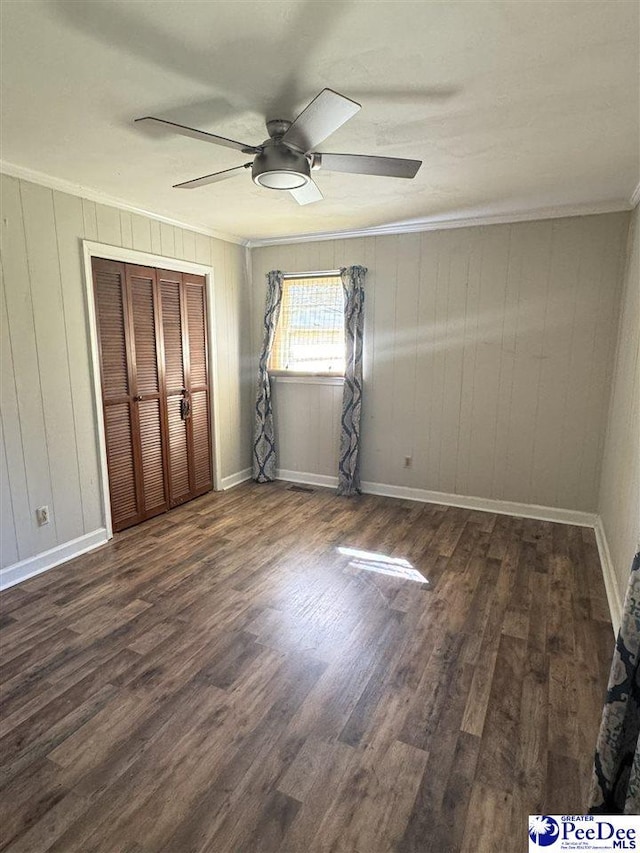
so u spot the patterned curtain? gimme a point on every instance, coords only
(349, 464)
(264, 442)
(615, 787)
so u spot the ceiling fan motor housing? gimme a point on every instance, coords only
(278, 167)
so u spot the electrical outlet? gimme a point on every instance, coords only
(42, 514)
(407, 461)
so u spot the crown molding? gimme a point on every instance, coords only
(434, 224)
(411, 226)
(34, 177)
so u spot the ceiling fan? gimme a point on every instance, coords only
(284, 161)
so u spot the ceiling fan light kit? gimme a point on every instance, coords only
(284, 160)
(278, 179)
(279, 167)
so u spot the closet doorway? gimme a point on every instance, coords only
(154, 368)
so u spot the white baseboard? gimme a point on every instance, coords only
(32, 566)
(608, 573)
(542, 513)
(521, 510)
(323, 480)
(236, 479)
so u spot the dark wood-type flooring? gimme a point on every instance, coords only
(223, 678)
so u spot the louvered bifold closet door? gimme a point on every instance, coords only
(195, 302)
(112, 318)
(152, 335)
(173, 333)
(148, 388)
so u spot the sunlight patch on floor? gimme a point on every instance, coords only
(396, 567)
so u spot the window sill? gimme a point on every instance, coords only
(307, 378)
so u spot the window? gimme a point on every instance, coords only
(310, 333)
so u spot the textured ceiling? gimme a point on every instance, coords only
(512, 106)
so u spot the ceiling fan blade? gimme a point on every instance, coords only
(325, 114)
(200, 134)
(307, 194)
(365, 164)
(211, 179)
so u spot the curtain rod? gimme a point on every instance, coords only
(313, 274)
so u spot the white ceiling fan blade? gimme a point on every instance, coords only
(365, 164)
(200, 134)
(325, 114)
(307, 194)
(211, 179)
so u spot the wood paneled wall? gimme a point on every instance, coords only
(619, 504)
(488, 358)
(317, 409)
(49, 450)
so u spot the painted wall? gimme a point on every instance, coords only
(49, 448)
(619, 501)
(488, 358)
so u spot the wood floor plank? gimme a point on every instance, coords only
(27, 797)
(387, 783)
(26, 744)
(501, 732)
(230, 678)
(51, 825)
(488, 824)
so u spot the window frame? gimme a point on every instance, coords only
(320, 377)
